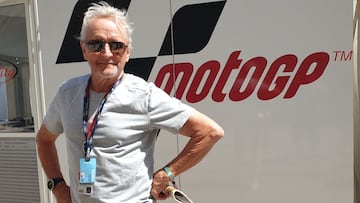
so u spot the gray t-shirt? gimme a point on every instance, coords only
(124, 137)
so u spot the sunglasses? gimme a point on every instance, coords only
(98, 46)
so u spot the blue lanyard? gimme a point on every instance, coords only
(89, 131)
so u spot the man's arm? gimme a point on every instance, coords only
(47, 153)
(203, 133)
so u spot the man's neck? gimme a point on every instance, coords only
(103, 85)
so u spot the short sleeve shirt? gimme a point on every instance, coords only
(123, 142)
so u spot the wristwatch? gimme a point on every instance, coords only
(51, 184)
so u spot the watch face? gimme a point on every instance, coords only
(50, 184)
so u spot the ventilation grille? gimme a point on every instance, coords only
(19, 181)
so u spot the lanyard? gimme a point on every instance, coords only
(89, 131)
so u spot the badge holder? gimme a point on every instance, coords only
(87, 176)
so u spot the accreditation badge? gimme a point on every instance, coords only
(87, 176)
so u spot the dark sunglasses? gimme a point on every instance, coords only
(98, 46)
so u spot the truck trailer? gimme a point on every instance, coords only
(279, 77)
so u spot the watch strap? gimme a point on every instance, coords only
(55, 181)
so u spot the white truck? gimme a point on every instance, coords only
(276, 75)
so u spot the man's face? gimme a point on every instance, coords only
(105, 49)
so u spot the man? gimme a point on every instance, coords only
(111, 121)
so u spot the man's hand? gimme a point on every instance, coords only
(159, 184)
(62, 193)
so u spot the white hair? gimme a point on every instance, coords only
(103, 9)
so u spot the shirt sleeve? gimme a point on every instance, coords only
(167, 112)
(52, 118)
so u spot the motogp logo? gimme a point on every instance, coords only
(275, 79)
(189, 31)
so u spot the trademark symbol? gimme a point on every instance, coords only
(341, 55)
